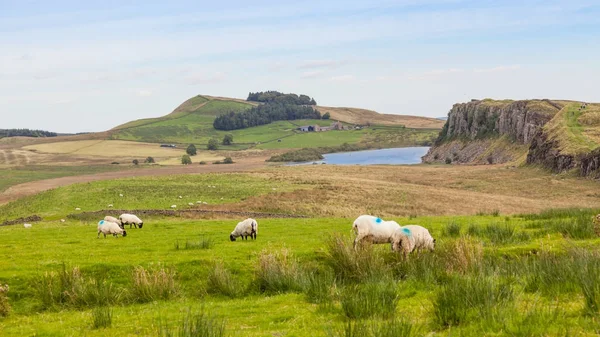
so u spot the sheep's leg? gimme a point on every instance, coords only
(98, 237)
(104, 235)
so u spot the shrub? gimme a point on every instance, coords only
(115, 163)
(227, 160)
(228, 139)
(153, 284)
(220, 281)
(463, 299)
(202, 163)
(278, 272)
(490, 159)
(191, 150)
(212, 145)
(186, 160)
(369, 299)
(195, 325)
(349, 264)
(452, 230)
(149, 160)
(301, 155)
(4, 305)
(448, 161)
(135, 162)
(101, 317)
(326, 115)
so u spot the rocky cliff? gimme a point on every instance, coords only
(488, 131)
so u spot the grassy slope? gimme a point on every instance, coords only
(575, 130)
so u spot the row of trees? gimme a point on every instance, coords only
(212, 145)
(264, 114)
(278, 97)
(26, 133)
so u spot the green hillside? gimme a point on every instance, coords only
(192, 122)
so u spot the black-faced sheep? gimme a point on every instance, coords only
(410, 238)
(248, 227)
(373, 229)
(131, 220)
(108, 227)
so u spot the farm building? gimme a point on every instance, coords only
(317, 128)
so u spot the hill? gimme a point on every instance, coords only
(558, 134)
(191, 122)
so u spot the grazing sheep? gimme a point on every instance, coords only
(190, 204)
(77, 209)
(110, 205)
(131, 220)
(180, 197)
(410, 238)
(27, 225)
(245, 228)
(198, 202)
(373, 229)
(120, 194)
(113, 219)
(173, 206)
(108, 227)
(62, 220)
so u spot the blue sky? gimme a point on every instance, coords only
(74, 66)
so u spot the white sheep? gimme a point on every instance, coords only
(190, 204)
(173, 206)
(113, 219)
(110, 205)
(180, 197)
(248, 227)
(77, 209)
(120, 194)
(27, 225)
(410, 238)
(131, 220)
(373, 229)
(108, 227)
(62, 220)
(198, 202)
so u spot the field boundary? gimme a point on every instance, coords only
(102, 213)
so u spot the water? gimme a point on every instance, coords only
(397, 156)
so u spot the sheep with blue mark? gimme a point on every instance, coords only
(410, 238)
(109, 227)
(373, 229)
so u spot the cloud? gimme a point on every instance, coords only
(342, 78)
(312, 74)
(497, 69)
(144, 92)
(312, 64)
(203, 77)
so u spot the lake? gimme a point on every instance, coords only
(396, 156)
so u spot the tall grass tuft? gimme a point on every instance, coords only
(351, 329)
(452, 230)
(426, 269)
(319, 288)
(202, 243)
(354, 265)
(391, 328)
(278, 272)
(463, 299)
(221, 281)
(195, 325)
(153, 284)
(579, 227)
(5, 307)
(69, 287)
(463, 255)
(550, 274)
(101, 317)
(370, 299)
(587, 269)
(504, 234)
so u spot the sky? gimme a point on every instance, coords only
(81, 66)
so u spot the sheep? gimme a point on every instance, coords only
(62, 220)
(110, 205)
(77, 209)
(27, 225)
(108, 227)
(373, 229)
(120, 194)
(113, 219)
(173, 206)
(410, 238)
(198, 202)
(190, 204)
(131, 220)
(245, 228)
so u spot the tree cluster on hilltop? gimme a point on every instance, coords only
(278, 97)
(26, 133)
(264, 114)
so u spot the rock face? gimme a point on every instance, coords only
(518, 121)
(545, 152)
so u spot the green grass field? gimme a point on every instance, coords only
(520, 275)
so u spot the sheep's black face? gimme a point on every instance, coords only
(231, 237)
(141, 224)
(124, 233)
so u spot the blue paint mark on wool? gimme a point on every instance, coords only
(378, 220)
(101, 222)
(406, 231)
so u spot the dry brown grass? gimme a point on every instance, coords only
(463, 255)
(341, 191)
(362, 116)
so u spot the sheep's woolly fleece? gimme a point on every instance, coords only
(406, 231)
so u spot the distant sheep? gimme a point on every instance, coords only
(190, 204)
(77, 209)
(110, 205)
(248, 227)
(180, 197)
(108, 227)
(62, 220)
(27, 225)
(173, 206)
(113, 219)
(131, 220)
(410, 238)
(120, 194)
(373, 229)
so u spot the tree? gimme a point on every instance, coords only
(135, 162)
(149, 160)
(212, 145)
(186, 160)
(191, 150)
(228, 139)
(326, 115)
(228, 160)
